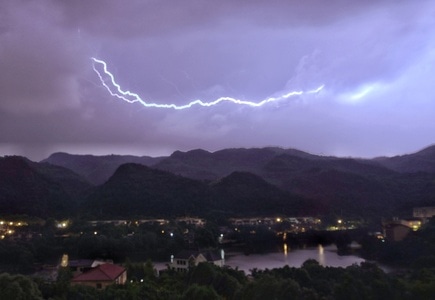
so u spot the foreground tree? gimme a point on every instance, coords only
(18, 287)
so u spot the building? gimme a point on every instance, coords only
(105, 222)
(398, 229)
(78, 266)
(197, 222)
(423, 212)
(187, 258)
(395, 231)
(101, 276)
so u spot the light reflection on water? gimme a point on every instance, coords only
(321, 252)
(326, 256)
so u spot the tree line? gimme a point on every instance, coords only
(207, 281)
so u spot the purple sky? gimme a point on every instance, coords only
(375, 58)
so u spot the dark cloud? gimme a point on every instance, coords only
(41, 64)
(149, 18)
(374, 58)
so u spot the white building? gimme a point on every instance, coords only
(187, 258)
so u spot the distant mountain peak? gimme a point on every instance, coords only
(190, 153)
(97, 169)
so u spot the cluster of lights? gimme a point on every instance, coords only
(10, 223)
(171, 234)
(8, 227)
(63, 224)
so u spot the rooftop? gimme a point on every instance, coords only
(104, 272)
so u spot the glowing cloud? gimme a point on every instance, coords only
(361, 93)
(116, 91)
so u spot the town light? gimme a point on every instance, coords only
(64, 261)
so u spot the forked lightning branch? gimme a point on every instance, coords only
(108, 81)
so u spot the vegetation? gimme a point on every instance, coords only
(206, 281)
(45, 242)
(237, 182)
(216, 186)
(416, 250)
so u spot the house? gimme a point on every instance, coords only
(101, 276)
(396, 229)
(197, 222)
(214, 257)
(413, 223)
(188, 258)
(78, 266)
(423, 212)
(113, 222)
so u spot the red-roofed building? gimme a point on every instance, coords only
(101, 276)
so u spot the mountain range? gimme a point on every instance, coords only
(256, 181)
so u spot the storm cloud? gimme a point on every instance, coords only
(374, 58)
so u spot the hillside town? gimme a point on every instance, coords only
(186, 231)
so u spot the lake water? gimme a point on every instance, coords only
(326, 256)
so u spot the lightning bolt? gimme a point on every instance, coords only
(116, 91)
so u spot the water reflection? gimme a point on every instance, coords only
(326, 256)
(321, 258)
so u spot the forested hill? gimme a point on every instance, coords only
(203, 165)
(421, 161)
(139, 190)
(38, 189)
(97, 169)
(232, 181)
